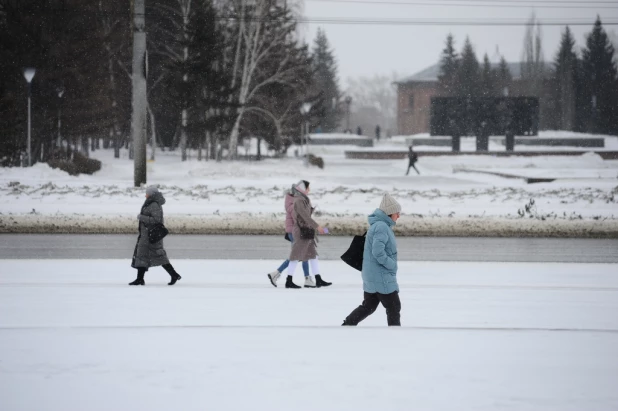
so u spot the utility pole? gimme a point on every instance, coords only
(139, 102)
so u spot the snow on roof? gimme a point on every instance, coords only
(431, 73)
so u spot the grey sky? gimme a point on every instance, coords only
(364, 50)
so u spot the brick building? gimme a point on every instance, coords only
(414, 95)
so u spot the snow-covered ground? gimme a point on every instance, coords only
(338, 136)
(247, 196)
(475, 336)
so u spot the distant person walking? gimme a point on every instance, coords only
(148, 255)
(359, 131)
(380, 266)
(413, 158)
(289, 226)
(378, 132)
(304, 247)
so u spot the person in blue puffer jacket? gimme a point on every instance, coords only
(380, 266)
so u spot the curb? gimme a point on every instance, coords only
(344, 225)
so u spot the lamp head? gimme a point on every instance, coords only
(29, 73)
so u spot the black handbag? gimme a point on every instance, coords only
(157, 233)
(354, 256)
(307, 233)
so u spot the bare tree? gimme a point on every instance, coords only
(374, 97)
(260, 35)
(532, 62)
(613, 37)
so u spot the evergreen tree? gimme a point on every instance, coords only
(209, 79)
(168, 46)
(564, 80)
(599, 85)
(62, 40)
(487, 78)
(79, 64)
(468, 75)
(449, 64)
(503, 77)
(326, 85)
(116, 24)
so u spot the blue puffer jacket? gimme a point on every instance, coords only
(380, 256)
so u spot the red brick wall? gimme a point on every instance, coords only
(415, 119)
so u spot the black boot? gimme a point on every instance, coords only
(319, 282)
(289, 283)
(140, 277)
(170, 270)
(175, 277)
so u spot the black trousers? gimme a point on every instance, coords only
(411, 165)
(391, 303)
(168, 267)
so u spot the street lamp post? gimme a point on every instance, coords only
(29, 75)
(60, 91)
(593, 102)
(304, 109)
(348, 102)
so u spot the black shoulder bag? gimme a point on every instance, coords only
(354, 256)
(307, 233)
(156, 233)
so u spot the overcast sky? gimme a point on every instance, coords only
(364, 50)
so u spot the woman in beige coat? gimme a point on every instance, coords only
(304, 231)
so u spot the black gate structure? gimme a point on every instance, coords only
(482, 117)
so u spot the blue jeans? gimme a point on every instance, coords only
(285, 264)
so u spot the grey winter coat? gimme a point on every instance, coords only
(146, 254)
(303, 249)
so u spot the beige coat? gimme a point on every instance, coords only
(303, 249)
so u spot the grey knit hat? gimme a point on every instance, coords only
(389, 205)
(151, 190)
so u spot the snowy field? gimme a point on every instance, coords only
(247, 196)
(475, 336)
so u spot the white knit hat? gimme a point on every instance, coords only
(302, 186)
(389, 205)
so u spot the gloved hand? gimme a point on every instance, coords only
(138, 216)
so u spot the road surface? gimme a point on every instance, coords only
(228, 247)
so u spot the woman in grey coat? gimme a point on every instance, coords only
(148, 255)
(304, 230)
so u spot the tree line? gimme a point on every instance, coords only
(579, 88)
(217, 72)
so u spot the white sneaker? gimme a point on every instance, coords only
(273, 277)
(309, 283)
